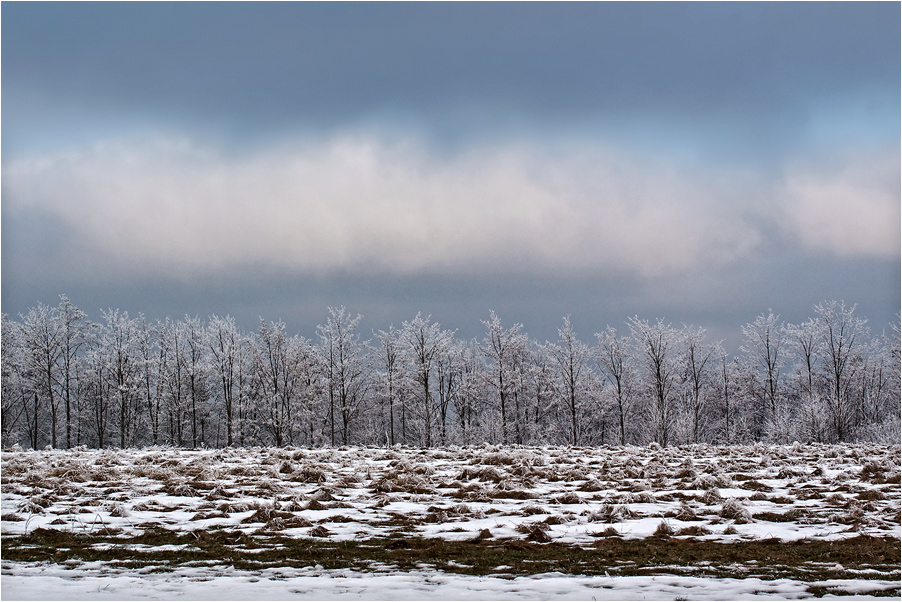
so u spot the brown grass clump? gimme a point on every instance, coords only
(394, 482)
(733, 509)
(663, 530)
(871, 495)
(780, 499)
(555, 520)
(592, 485)
(611, 513)
(119, 510)
(567, 498)
(537, 532)
(712, 497)
(511, 494)
(686, 513)
(753, 485)
(608, 532)
(30, 507)
(482, 473)
(497, 459)
(265, 515)
(694, 531)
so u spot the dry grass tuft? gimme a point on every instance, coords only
(733, 509)
(663, 530)
(694, 531)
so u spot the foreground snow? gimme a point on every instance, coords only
(49, 582)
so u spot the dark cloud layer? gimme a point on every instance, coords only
(751, 68)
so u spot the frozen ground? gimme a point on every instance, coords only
(127, 524)
(222, 583)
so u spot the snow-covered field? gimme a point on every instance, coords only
(144, 518)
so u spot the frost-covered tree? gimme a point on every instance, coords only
(763, 347)
(616, 362)
(72, 325)
(448, 373)
(224, 341)
(15, 396)
(42, 336)
(695, 364)
(576, 385)
(425, 342)
(471, 393)
(118, 350)
(152, 374)
(505, 349)
(841, 334)
(197, 384)
(389, 379)
(344, 369)
(657, 345)
(283, 370)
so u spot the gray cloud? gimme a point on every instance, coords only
(846, 204)
(356, 202)
(360, 202)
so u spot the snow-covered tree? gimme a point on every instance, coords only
(505, 350)
(389, 380)
(614, 357)
(576, 385)
(763, 347)
(344, 370)
(224, 342)
(425, 342)
(657, 344)
(695, 366)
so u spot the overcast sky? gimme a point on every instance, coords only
(696, 162)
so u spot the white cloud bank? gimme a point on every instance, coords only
(364, 203)
(849, 206)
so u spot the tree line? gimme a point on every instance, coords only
(123, 381)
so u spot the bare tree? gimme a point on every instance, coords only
(449, 368)
(150, 357)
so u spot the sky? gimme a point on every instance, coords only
(701, 163)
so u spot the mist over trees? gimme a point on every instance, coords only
(125, 381)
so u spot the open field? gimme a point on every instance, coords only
(825, 519)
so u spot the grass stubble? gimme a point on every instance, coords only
(162, 550)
